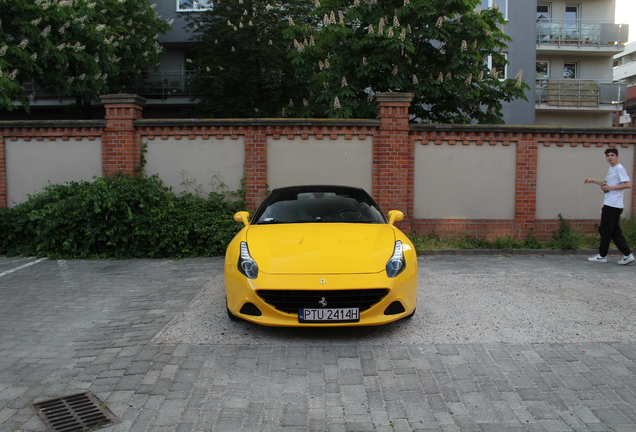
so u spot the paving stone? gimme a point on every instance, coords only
(95, 331)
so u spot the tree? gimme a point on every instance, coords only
(76, 47)
(240, 59)
(448, 53)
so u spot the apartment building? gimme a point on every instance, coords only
(567, 46)
(625, 73)
(575, 46)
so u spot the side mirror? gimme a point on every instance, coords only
(395, 216)
(243, 217)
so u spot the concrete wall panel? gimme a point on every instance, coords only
(328, 161)
(464, 181)
(560, 175)
(197, 164)
(35, 163)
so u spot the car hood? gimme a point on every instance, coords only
(321, 248)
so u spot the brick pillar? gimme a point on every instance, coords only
(526, 185)
(3, 174)
(121, 145)
(393, 156)
(255, 167)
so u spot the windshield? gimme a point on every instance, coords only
(300, 205)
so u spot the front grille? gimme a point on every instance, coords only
(291, 300)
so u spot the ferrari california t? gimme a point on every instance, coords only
(320, 256)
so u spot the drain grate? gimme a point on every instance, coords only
(76, 413)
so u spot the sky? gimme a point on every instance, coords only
(626, 12)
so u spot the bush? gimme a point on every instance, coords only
(629, 230)
(565, 238)
(120, 217)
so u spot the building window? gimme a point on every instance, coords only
(572, 22)
(543, 70)
(194, 5)
(502, 4)
(543, 13)
(541, 77)
(571, 70)
(543, 23)
(500, 65)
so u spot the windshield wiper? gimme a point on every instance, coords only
(269, 222)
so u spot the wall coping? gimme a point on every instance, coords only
(559, 130)
(123, 98)
(259, 122)
(385, 97)
(313, 122)
(34, 124)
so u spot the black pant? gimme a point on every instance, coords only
(610, 230)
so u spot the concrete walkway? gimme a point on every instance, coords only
(499, 343)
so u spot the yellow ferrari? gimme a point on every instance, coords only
(320, 256)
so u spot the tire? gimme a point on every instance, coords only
(230, 315)
(409, 316)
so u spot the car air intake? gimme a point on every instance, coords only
(291, 300)
(250, 309)
(394, 308)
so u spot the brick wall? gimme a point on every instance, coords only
(393, 140)
(528, 140)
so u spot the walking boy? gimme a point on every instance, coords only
(614, 187)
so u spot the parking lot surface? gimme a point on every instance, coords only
(498, 343)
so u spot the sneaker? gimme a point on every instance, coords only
(627, 259)
(598, 258)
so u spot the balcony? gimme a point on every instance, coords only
(164, 86)
(625, 71)
(589, 37)
(168, 85)
(571, 94)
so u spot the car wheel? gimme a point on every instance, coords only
(230, 314)
(409, 316)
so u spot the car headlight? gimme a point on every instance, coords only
(246, 263)
(396, 263)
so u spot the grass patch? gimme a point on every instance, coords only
(564, 238)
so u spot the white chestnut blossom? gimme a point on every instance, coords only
(519, 78)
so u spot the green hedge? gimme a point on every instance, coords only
(118, 217)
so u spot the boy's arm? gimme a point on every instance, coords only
(624, 185)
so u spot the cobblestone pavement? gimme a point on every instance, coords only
(72, 326)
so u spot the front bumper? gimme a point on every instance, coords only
(241, 291)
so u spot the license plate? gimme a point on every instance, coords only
(328, 315)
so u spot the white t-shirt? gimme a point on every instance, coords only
(615, 176)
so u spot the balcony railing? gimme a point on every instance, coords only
(581, 32)
(571, 93)
(625, 71)
(160, 85)
(164, 85)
